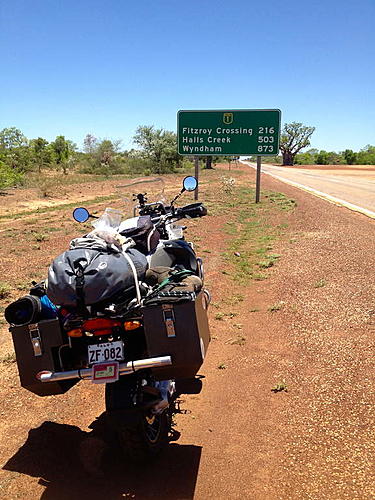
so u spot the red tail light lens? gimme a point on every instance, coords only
(100, 326)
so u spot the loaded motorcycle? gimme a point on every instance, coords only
(125, 306)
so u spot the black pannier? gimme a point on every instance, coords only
(38, 347)
(178, 329)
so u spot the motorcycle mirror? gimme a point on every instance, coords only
(190, 183)
(81, 214)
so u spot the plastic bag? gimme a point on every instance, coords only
(111, 218)
(106, 227)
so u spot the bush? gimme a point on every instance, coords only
(49, 187)
(87, 168)
(10, 177)
(366, 156)
(5, 290)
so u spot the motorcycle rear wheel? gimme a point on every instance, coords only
(141, 434)
(147, 438)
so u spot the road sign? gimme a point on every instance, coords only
(229, 132)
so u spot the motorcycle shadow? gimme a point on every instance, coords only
(72, 463)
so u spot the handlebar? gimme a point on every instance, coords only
(160, 213)
(192, 211)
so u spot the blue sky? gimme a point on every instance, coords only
(105, 67)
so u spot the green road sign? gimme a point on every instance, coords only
(229, 132)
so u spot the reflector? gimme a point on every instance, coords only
(132, 325)
(77, 332)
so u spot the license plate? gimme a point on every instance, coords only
(101, 353)
(103, 373)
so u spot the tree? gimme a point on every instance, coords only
(105, 153)
(41, 153)
(350, 156)
(307, 157)
(168, 150)
(14, 149)
(366, 156)
(9, 176)
(63, 150)
(11, 138)
(328, 158)
(146, 138)
(322, 158)
(159, 146)
(294, 137)
(103, 157)
(208, 163)
(89, 144)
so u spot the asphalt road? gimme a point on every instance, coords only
(351, 188)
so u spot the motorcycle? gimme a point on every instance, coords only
(125, 306)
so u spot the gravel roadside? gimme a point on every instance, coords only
(326, 281)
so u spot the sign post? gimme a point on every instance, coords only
(196, 166)
(257, 185)
(229, 133)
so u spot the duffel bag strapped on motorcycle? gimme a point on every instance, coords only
(85, 276)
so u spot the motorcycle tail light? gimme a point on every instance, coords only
(101, 326)
(76, 332)
(132, 325)
(103, 331)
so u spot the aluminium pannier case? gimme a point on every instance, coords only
(37, 348)
(179, 330)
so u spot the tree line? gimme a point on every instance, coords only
(155, 152)
(365, 156)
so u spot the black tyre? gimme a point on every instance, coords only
(145, 440)
(142, 435)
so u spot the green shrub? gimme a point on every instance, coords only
(5, 290)
(9, 176)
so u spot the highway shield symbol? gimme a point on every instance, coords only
(228, 118)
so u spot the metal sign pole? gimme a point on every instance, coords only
(196, 165)
(257, 187)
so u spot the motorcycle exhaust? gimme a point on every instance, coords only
(124, 369)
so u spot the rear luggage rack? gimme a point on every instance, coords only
(124, 369)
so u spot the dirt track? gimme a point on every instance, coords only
(238, 439)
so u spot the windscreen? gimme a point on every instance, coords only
(151, 187)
